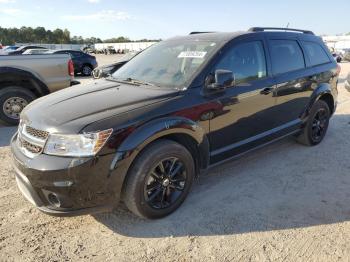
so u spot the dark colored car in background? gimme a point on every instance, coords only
(107, 70)
(22, 49)
(83, 63)
(179, 107)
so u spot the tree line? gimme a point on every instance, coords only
(10, 36)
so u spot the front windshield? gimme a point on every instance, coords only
(167, 64)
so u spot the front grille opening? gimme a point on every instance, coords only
(31, 148)
(37, 133)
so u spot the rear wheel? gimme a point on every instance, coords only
(13, 99)
(159, 180)
(86, 70)
(317, 124)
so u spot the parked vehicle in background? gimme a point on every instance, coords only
(7, 49)
(22, 49)
(83, 63)
(347, 82)
(35, 51)
(337, 57)
(107, 70)
(179, 107)
(25, 78)
(109, 50)
(89, 49)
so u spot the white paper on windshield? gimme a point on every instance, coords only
(192, 54)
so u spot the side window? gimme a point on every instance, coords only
(316, 53)
(246, 61)
(286, 56)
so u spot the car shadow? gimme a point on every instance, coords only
(282, 186)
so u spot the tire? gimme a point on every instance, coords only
(17, 97)
(317, 125)
(86, 70)
(138, 195)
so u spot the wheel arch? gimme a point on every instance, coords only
(323, 92)
(181, 130)
(10, 76)
(178, 129)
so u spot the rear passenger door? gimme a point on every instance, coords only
(293, 80)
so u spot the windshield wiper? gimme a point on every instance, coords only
(135, 81)
(130, 81)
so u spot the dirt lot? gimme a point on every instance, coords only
(283, 202)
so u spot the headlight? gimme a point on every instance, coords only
(82, 145)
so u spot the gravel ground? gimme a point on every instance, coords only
(285, 202)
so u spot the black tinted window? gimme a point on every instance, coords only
(246, 61)
(286, 56)
(316, 53)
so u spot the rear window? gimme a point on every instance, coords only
(286, 56)
(316, 53)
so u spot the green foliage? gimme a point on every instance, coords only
(39, 35)
(9, 36)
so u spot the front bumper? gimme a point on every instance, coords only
(65, 186)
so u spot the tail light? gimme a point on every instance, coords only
(70, 67)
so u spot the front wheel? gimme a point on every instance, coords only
(317, 124)
(159, 180)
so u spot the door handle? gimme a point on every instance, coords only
(267, 90)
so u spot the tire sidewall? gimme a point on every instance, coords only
(13, 92)
(146, 163)
(318, 105)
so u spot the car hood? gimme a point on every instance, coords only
(71, 109)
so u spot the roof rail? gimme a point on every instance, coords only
(262, 29)
(196, 33)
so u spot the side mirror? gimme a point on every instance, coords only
(223, 79)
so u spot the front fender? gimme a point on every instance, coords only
(159, 128)
(149, 132)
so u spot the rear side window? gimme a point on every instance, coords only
(316, 53)
(246, 61)
(286, 56)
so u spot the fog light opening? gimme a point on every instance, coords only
(53, 199)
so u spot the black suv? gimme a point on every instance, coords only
(183, 105)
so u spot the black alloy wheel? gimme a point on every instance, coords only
(165, 183)
(317, 124)
(159, 179)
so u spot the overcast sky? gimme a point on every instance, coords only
(161, 18)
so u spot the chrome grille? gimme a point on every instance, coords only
(31, 148)
(37, 133)
(31, 140)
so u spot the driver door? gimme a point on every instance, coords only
(248, 106)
